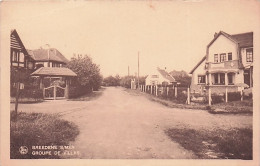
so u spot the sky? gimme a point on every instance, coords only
(167, 34)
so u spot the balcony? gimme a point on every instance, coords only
(223, 65)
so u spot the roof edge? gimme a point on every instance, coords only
(197, 64)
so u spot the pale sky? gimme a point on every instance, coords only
(171, 34)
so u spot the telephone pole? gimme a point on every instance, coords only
(138, 71)
(128, 71)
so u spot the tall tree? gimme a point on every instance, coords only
(87, 71)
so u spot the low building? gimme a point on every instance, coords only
(159, 77)
(228, 63)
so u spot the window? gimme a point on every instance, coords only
(201, 79)
(249, 55)
(222, 78)
(230, 56)
(215, 58)
(215, 78)
(219, 78)
(230, 78)
(15, 56)
(21, 57)
(222, 57)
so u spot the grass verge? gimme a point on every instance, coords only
(37, 129)
(219, 144)
(233, 107)
(90, 96)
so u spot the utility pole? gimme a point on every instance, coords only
(138, 71)
(128, 71)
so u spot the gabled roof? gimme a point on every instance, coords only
(197, 65)
(16, 42)
(166, 75)
(243, 39)
(50, 54)
(54, 71)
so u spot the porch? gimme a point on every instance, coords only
(59, 81)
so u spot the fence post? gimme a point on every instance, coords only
(226, 95)
(156, 90)
(167, 91)
(188, 99)
(151, 89)
(175, 91)
(242, 94)
(209, 96)
(43, 93)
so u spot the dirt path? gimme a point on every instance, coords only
(119, 125)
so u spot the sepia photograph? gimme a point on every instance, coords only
(131, 80)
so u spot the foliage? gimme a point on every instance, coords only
(126, 81)
(182, 77)
(36, 129)
(88, 72)
(112, 81)
(234, 96)
(217, 99)
(77, 91)
(20, 75)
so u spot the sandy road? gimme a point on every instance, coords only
(119, 125)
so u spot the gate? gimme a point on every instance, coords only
(54, 92)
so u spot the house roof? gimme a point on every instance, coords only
(166, 75)
(16, 41)
(50, 54)
(197, 65)
(54, 71)
(243, 39)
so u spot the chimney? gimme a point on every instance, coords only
(215, 35)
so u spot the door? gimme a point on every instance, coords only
(247, 77)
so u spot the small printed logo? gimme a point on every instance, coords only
(23, 150)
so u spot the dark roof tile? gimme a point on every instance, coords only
(53, 71)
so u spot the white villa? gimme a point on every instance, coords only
(228, 63)
(159, 77)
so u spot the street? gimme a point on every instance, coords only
(123, 125)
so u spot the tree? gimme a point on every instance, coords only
(88, 72)
(18, 76)
(182, 77)
(112, 81)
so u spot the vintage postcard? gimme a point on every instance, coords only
(130, 82)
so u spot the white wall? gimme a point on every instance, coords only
(239, 77)
(159, 80)
(200, 70)
(222, 45)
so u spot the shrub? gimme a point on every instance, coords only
(217, 99)
(34, 93)
(234, 96)
(77, 91)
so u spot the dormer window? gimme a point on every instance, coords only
(222, 57)
(249, 55)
